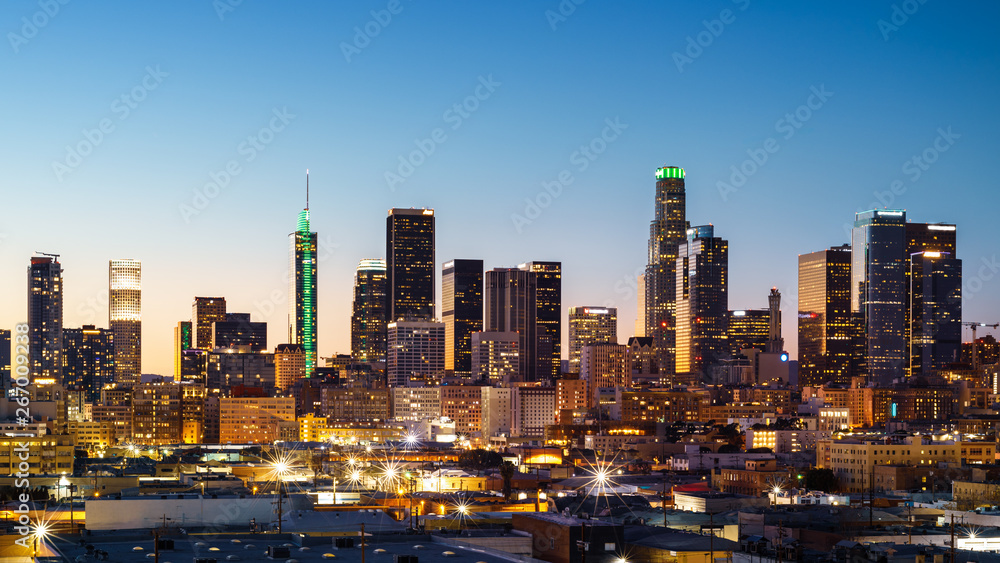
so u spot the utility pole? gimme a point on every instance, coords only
(362, 543)
(279, 505)
(952, 560)
(663, 498)
(711, 538)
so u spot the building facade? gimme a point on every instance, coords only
(416, 352)
(702, 304)
(666, 233)
(368, 324)
(461, 311)
(590, 325)
(45, 318)
(303, 303)
(410, 264)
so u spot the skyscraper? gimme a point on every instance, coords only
(5, 361)
(511, 307)
(495, 358)
(415, 352)
(590, 325)
(125, 318)
(935, 311)
(666, 233)
(183, 340)
(548, 318)
(302, 299)
(45, 317)
(368, 316)
(409, 251)
(878, 291)
(748, 328)
(238, 332)
(89, 360)
(702, 272)
(204, 312)
(828, 332)
(461, 311)
(924, 237)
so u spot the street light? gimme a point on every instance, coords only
(280, 468)
(41, 533)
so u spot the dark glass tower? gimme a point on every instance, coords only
(548, 280)
(409, 250)
(923, 237)
(368, 325)
(702, 272)
(88, 359)
(302, 299)
(45, 317)
(828, 334)
(511, 306)
(935, 311)
(461, 311)
(878, 291)
(666, 233)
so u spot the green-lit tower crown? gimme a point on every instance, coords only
(302, 287)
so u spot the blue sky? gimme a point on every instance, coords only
(197, 85)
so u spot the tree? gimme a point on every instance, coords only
(507, 473)
(822, 479)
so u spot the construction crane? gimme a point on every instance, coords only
(975, 349)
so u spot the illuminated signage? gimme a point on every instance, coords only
(669, 172)
(595, 311)
(940, 227)
(890, 213)
(739, 313)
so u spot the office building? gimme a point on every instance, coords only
(45, 318)
(204, 312)
(935, 311)
(642, 358)
(640, 315)
(410, 264)
(548, 319)
(125, 318)
(168, 412)
(416, 352)
(496, 411)
(5, 371)
(920, 238)
(748, 328)
(605, 365)
(828, 332)
(463, 404)
(302, 298)
(289, 365)
(254, 420)
(368, 312)
(461, 311)
(239, 333)
(495, 358)
(532, 409)
(183, 340)
(416, 403)
(511, 306)
(702, 304)
(666, 233)
(590, 325)
(89, 360)
(227, 369)
(878, 291)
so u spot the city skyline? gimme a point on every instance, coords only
(875, 132)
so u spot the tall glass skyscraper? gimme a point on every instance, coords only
(368, 325)
(125, 319)
(89, 360)
(302, 301)
(935, 311)
(461, 311)
(590, 325)
(702, 272)
(511, 295)
(878, 291)
(666, 233)
(828, 331)
(409, 251)
(45, 317)
(548, 300)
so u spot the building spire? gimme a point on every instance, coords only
(307, 188)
